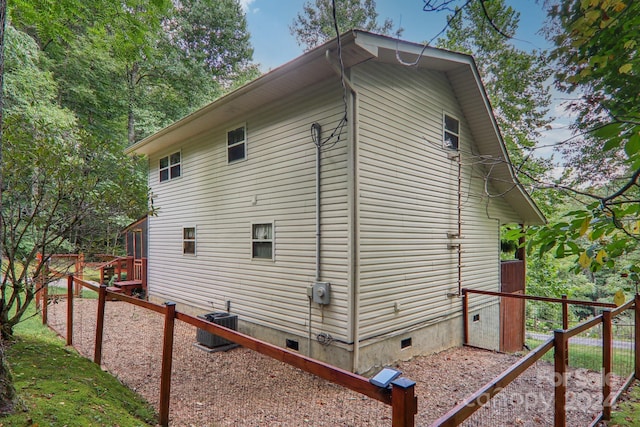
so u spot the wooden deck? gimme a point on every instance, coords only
(124, 274)
(128, 286)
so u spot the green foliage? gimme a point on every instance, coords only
(587, 235)
(129, 69)
(596, 52)
(212, 33)
(597, 49)
(516, 82)
(63, 188)
(626, 413)
(84, 80)
(315, 25)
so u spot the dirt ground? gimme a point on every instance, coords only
(240, 387)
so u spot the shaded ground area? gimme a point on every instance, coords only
(243, 388)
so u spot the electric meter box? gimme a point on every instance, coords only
(321, 293)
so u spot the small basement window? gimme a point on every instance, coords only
(170, 167)
(451, 136)
(262, 241)
(189, 240)
(236, 144)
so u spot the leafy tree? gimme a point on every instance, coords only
(602, 69)
(596, 60)
(56, 177)
(202, 51)
(212, 33)
(516, 80)
(8, 397)
(92, 48)
(315, 24)
(597, 52)
(129, 69)
(102, 74)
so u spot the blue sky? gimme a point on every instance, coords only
(269, 22)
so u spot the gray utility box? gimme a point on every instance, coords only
(229, 321)
(321, 293)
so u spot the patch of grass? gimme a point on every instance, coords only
(58, 290)
(91, 274)
(627, 412)
(58, 387)
(589, 357)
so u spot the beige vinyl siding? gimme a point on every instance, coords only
(408, 201)
(276, 183)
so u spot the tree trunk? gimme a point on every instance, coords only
(8, 397)
(131, 122)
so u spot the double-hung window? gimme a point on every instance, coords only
(451, 132)
(170, 167)
(262, 241)
(237, 144)
(189, 240)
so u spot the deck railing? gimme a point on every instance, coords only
(400, 396)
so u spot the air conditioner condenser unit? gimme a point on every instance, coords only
(212, 341)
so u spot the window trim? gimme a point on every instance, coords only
(445, 131)
(168, 167)
(236, 144)
(272, 240)
(194, 240)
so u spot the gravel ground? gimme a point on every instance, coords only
(240, 387)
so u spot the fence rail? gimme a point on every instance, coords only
(617, 370)
(601, 352)
(400, 397)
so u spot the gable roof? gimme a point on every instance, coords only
(135, 224)
(357, 47)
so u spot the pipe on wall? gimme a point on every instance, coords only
(354, 276)
(316, 131)
(316, 134)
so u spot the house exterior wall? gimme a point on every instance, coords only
(388, 199)
(408, 201)
(276, 183)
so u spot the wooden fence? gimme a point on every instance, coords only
(560, 344)
(401, 396)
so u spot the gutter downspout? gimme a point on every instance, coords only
(355, 269)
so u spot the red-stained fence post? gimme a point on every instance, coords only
(404, 403)
(637, 336)
(561, 361)
(607, 363)
(565, 314)
(70, 310)
(45, 301)
(102, 298)
(167, 359)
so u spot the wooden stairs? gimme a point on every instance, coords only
(130, 275)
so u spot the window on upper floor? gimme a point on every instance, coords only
(236, 144)
(262, 241)
(451, 132)
(170, 167)
(189, 240)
